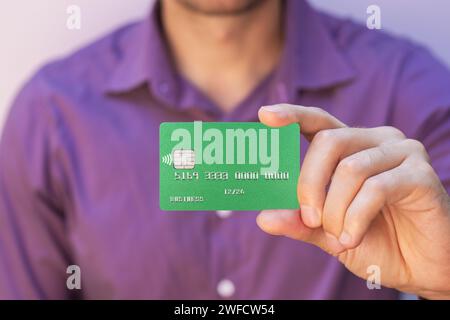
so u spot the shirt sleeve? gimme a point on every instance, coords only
(34, 251)
(422, 107)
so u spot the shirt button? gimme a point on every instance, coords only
(224, 213)
(225, 288)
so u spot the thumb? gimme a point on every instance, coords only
(288, 223)
(311, 119)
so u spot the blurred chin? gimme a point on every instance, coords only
(220, 7)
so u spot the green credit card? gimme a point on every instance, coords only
(228, 166)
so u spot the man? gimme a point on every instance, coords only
(79, 155)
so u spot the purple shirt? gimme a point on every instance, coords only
(79, 165)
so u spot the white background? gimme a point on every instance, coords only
(34, 32)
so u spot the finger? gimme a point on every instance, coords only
(350, 175)
(324, 153)
(284, 223)
(288, 223)
(311, 119)
(380, 191)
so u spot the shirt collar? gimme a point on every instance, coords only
(144, 59)
(311, 59)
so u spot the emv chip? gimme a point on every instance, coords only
(183, 159)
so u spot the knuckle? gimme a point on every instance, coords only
(394, 132)
(417, 146)
(325, 136)
(374, 185)
(423, 169)
(424, 176)
(351, 166)
(330, 139)
(319, 111)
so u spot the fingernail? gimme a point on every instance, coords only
(345, 239)
(310, 216)
(272, 108)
